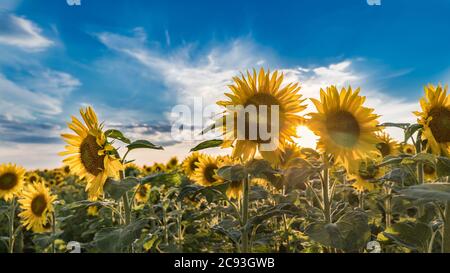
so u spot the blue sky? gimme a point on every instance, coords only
(134, 60)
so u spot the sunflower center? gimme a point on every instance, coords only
(142, 191)
(258, 100)
(8, 181)
(192, 165)
(343, 128)
(210, 172)
(38, 205)
(440, 124)
(428, 169)
(384, 148)
(33, 179)
(89, 149)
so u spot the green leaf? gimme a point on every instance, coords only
(116, 134)
(143, 144)
(158, 179)
(278, 210)
(415, 236)
(207, 144)
(114, 240)
(422, 157)
(233, 173)
(396, 125)
(411, 130)
(350, 232)
(44, 240)
(443, 166)
(428, 192)
(116, 189)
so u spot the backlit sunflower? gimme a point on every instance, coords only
(36, 203)
(346, 128)
(387, 145)
(367, 172)
(172, 163)
(234, 190)
(261, 90)
(290, 155)
(11, 180)
(435, 119)
(91, 156)
(190, 163)
(206, 173)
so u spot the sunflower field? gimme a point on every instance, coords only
(359, 191)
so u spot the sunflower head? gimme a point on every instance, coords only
(429, 172)
(206, 173)
(158, 167)
(172, 163)
(290, 155)
(261, 92)
(32, 177)
(92, 211)
(91, 156)
(36, 203)
(11, 180)
(190, 163)
(368, 171)
(346, 129)
(408, 149)
(142, 193)
(386, 145)
(435, 119)
(131, 169)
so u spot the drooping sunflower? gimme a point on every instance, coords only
(36, 203)
(91, 156)
(368, 171)
(206, 173)
(346, 129)
(435, 119)
(11, 180)
(262, 91)
(131, 169)
(190, 163)
(235, 190)
(290, 155)
(387, 145)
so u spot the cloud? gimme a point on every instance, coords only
(20, 32)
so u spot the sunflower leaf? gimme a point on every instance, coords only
(411, 130)
(443, 166)
(116, 189)
(207, 144)
(143, 144)
(429, 192)
(116, 134)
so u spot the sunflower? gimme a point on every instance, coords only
(36, 204)
(206, 173)
(234, 190)
(173, 162)
(92, 211)
(131, 169)
(387, 145)
(190, 163)
(430, 172)
(91, 156)
(290, 155)
(11, 180)
(259, 90)
(142, 193)
(32, 177)
(367, 172)
(408, 149)
(346, 128)
(158, 167)
(435, 119)
(66, 170)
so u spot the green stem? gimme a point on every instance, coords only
(325, 191)
(53, 232)
(11, 226)
(127, 209)
(388, 207)
(245, 202)
(361, 200)
(446, 232)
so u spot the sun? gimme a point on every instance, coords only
(307, 138)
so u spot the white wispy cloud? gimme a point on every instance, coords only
(20, 32)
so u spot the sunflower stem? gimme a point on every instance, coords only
(245, 202)
(53, 232)
(420, 174)
(446, 229)
(12, 216)
(388, 207)
(325, 191)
